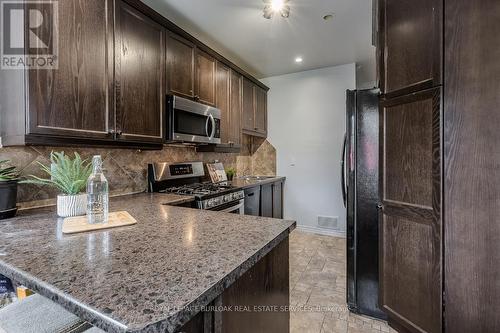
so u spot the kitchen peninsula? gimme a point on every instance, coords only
(157, 275)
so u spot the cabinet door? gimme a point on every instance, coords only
(180, 66)
(139, 76)
(410, 236)
(471, 159)
(248, 106)
(205, 78)
(278, 200)
(260, 110)
(252, 201)
(74, 100)
(266, 200)
(235, 110)
(411, 45)
(223, 99)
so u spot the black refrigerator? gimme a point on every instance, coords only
(360, 189)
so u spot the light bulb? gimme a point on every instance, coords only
(298, 59)
(277, 5)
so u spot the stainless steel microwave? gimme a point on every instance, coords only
(189, 121)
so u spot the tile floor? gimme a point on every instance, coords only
(317, 284)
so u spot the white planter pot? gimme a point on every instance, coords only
(71, 205)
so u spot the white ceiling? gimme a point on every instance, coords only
(236, 29)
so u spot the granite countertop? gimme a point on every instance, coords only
(252, 181)
(152, 276)
(172, 199)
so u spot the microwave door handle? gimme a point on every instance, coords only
(213, 126)
(206, 125)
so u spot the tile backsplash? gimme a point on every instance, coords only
(126, 169)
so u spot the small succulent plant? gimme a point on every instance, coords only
(66, 174)
(8, 172)
(230, 172)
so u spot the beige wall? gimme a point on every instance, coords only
(125, 169)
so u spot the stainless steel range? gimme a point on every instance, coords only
(187, 179)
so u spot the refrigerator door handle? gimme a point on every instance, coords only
(343, 170)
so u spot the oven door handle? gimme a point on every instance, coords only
(211, 117)
(233, 208)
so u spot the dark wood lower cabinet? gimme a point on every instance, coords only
(252, 201)
(266, 200)
(264, 286)
(258, 300)
(271, 200)
(278, 200)
(410, 238)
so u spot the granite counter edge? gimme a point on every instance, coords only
(170, 324)
(177, 320)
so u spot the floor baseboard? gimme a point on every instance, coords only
(321, 231)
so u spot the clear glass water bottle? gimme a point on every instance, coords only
(97, 193)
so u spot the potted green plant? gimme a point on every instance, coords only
(70, 177)
(9, 177)
(230, 172)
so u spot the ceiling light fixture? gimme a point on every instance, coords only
(328, 17)
(298, 60)
(276, 6)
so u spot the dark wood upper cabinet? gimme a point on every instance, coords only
(180, 66)
(235, 111)
(139, 76)
(248, 105)
(410, 237)
(75, 100)
(254, 112)
(117, 60)
(205, 78)
(223, 77)
(410, 45)
(260, 110)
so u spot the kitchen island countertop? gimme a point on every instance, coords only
(153, 276)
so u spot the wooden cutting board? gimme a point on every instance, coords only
(76, 224)
(216, 172)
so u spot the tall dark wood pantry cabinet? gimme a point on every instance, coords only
(439, 63)
(471, 122)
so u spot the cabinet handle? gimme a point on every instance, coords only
(251, 194)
